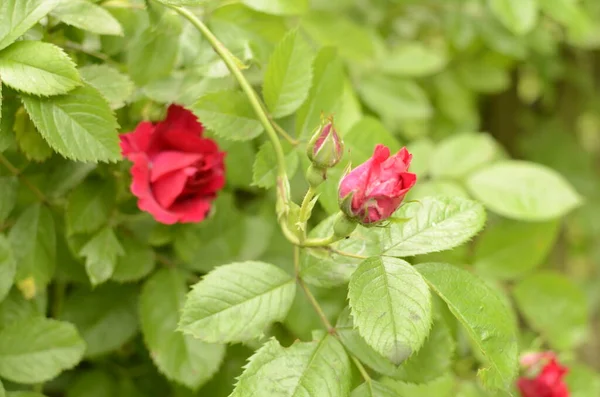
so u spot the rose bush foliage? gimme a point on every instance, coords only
(299, 198)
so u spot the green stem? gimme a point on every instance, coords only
(293, 141)
(309, 295)
(321, 242)
(361, 369)
(310, 194)
(230, 61)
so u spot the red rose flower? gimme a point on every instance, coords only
(372, 191)
(548, 383)
(176, 172)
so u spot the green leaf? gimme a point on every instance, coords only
(33, 240)
(153, 52)
(325, 268)
(29, 140)
(183, 2)
(308, 369)
(8, 186)
(236, 302)
(101, 253)
(413, 59)
(93, 383)
(356, 345)
(524, 191)
(8, 267)
(391, 306)
(510, 249)
(80, 125)
(111, 322)
(373, 389)
(179, 357)
(38, 68)
(15, 307)
(264, 170)
(518, 17)
(37, 349)
(436, 188)
(545, 297)
(115, 86)
(278, 7)
(422, 150)
(461, 154)
(229, 114)
(89, 206)
(86, 15)
(24, 394)
(362, 138)
(288, 76)
(444, 386)
(582, 381)
(394, 99)
(2, 391)
(327, 89)
(19, 16)
(137, 261)
(432, 224)
(485, 316)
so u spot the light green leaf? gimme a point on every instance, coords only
(278, 7)
(20, 15)
(101, 253)
(325, 268)
(444, 386)
(305, 369)
(327, 89)
(38, 68)
(33, 240)
(8, 186)
(264, 170)
(30, 141)
(115, 86)
(485, 316)
(89, 206)
(179, 357)
(435, 188)
(183, 2)
(36, 349)
(236, 302)
(413, 59)
(153, 52)
(356, 345)
(15, 307)
(362, 138)
(524, 191)
(510, 249)
(422, 150)
(373, 389)
(461, 154)
(8, 267)
(137, 261)
(518, 17)
(394, 99)
(391, 306)
(228, 114)
(111, 323)
(288, 76)
(86, 15)
(545, 297)
(582, 381)
(432, 224)
(80, 125)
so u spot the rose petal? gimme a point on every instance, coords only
(169, 161)
(138, 140)
(168, 187)
(192, 210)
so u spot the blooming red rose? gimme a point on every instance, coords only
(549, 381)
(372, 191)
(176, 172)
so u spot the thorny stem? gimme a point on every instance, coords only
(309, 295)
(15, 171)
(347, 254)
(233, 67)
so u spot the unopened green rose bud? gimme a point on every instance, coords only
(325, 148)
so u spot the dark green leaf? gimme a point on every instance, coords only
(137, 261)
(8, 198)
(8, 267)
(89, 206)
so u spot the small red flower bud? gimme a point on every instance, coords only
(371, 192)
(548, 382)
(325, 148)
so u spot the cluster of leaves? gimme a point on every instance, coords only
(94, 294)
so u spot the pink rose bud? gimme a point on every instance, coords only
(371, 192)
(548, 382)
(325, 148)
